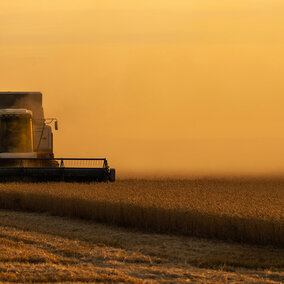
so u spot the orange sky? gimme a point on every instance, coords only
(156, 86)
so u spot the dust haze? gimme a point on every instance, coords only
(157, 87)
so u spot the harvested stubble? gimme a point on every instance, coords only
(244, 210)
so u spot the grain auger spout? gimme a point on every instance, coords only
(26, 145)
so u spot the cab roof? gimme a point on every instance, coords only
(13, 112)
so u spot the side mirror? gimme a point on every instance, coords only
(56, 125)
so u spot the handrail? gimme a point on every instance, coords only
(59, 162)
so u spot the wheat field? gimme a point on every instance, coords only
(243, 210)
(39, 248)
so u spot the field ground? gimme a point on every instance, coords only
(242, 210)
(40, 247)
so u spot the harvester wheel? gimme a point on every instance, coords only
(112, 175)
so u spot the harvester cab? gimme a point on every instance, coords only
(26, 145)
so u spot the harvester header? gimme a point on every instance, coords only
(26, 145)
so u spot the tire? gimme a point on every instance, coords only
(112, 175)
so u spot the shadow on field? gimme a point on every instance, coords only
(152, 219)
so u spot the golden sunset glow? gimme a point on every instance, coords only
(156, 86)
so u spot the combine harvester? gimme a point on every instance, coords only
(26, 145)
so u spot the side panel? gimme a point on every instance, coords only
(43, 139)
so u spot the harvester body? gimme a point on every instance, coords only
(26, 145)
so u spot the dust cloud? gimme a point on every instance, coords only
(158, 87)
